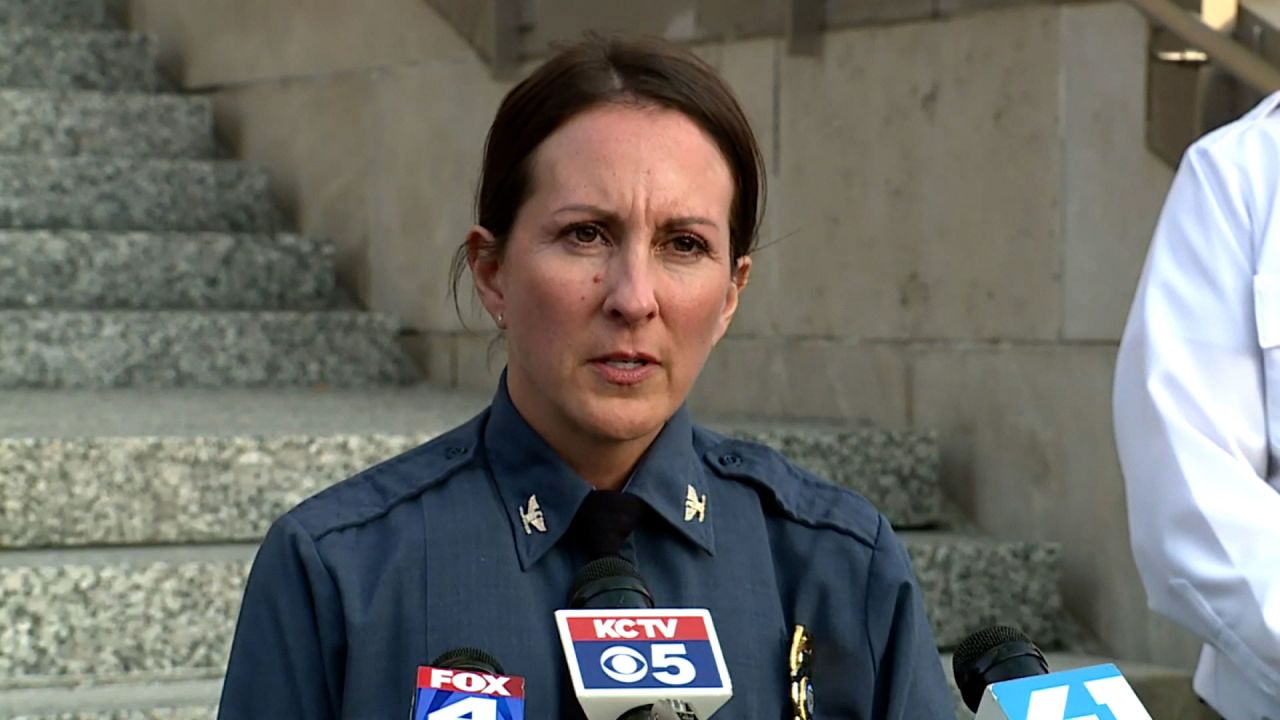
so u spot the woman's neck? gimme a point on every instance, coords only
(604, 462)
(606, 468)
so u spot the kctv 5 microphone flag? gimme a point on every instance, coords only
(621, 659)
(1003, 676)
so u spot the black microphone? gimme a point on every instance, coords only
(609, 583)
(469, 658)
(663, 710)
(992, 655)
(612, 583)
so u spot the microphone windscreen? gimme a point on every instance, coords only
(977, 644)
(467, 658)
(610, 582)
(993, 655)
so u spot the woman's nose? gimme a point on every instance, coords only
(630, 293)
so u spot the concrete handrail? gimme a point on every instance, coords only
(1235, 58)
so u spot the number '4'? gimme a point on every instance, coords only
(1112, 693)
(468, 709)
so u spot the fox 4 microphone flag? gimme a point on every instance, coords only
(450, 694)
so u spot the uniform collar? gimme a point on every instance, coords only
(672, 480)
(541, 494)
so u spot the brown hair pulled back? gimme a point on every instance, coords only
(601, 70)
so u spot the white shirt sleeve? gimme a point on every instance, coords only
(1191, 425)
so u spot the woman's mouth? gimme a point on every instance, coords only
(625, 370)
(627, 364)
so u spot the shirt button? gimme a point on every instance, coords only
(454, 452)
(730, 460)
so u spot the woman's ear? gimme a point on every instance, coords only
(738, 282)
(484, 257)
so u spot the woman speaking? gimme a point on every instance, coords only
(617, 211)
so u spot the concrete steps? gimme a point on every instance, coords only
(78, 349)
(185, 482)
(72, 269)
(113, 61)
(158, 700)
(1164, 691)
(194, 465)
(136, 614)
(175, 374)
(55, 14)
(70, 614)
(971, 582)
(88, 153)
(198, 712)
(134, 194)
(67, 122)
(897, 470)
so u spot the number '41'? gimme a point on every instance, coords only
(1112, 693)
(468, 709)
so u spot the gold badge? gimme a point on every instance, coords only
(694, 506)
(531, 517)
(801, 684)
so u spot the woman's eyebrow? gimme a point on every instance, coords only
(612, 217)
(687, 220)
(589, 209)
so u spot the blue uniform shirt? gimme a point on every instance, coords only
(441, 548)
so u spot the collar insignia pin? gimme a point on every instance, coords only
(531, 517)
(695, 506)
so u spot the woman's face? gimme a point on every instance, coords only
(615, 283)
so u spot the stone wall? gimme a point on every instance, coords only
(959, 207)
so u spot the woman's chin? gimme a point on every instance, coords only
(624, 419)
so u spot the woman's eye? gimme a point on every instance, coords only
(688, 245)
(585, 234)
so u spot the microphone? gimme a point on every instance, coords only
(992, 655)
(1002, 675)
(609, 583)
(631, 661)
(467, 683)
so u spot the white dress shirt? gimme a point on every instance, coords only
(1197, 412)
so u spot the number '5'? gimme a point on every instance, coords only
(670, 665)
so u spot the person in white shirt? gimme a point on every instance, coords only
(1197, 412)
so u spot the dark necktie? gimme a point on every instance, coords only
(604, 521)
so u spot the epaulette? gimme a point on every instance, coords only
(372, 493)
(797, 493)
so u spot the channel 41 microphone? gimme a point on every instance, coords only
(1002, 675)
(630, 661)
(470, 684)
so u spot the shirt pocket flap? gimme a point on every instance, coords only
(1266, 308)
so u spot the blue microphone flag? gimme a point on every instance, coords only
(1098, 692)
